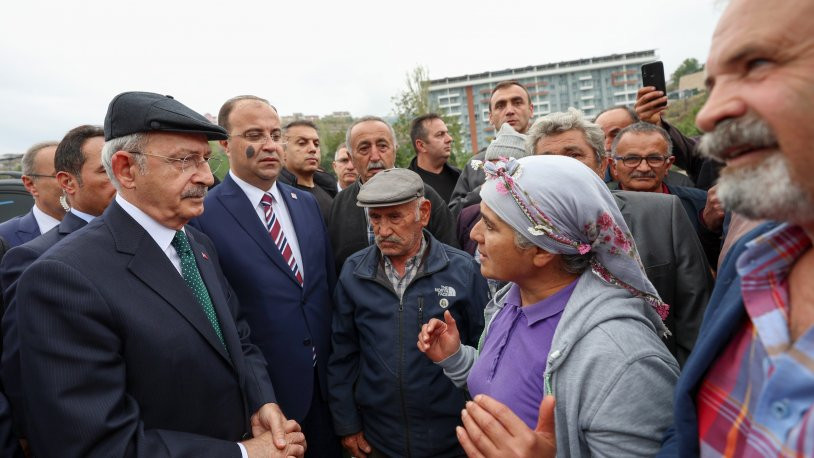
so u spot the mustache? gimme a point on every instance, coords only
(195, 191)
(376, 165)
(390, 238)
(638, 174)
(747, 131)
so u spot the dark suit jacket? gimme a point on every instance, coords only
(348, 225)
(467, 189)
(721, 321)
(12, 266)
(694, 200)
(119, 359)
(20, 229)
(673, 259)
(286, 319)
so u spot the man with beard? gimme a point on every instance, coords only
(372, 146)
(748, 389)
(510, 102)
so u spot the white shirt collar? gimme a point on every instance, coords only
(88, 218)
(44, 221)
(254, 193)
(162, 235)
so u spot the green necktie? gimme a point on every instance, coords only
(192, 277)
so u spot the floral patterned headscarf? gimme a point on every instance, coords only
(563, 207)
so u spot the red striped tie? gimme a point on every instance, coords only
(278, 236)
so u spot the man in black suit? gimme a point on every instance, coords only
(136, 348)
(86, 192)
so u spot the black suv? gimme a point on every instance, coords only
(14, 199)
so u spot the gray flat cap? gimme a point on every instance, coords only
(391, 187)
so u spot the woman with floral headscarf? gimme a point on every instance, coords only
(579, 319)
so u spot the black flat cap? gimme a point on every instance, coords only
(133, 112)
(390, 187)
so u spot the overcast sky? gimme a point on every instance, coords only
(63, 61)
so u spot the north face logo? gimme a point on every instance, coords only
(445, 291)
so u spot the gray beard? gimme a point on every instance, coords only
(765, 191)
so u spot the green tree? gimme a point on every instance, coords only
(331, 134)
(682, 113)
(689, 66)
(415, 101)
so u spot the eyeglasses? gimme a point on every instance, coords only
(187, 162)
(261, 137)
(653, 160)
(39, 175)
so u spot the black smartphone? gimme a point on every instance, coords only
(653, 75)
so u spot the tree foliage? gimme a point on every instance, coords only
(682, 113)
(415, 101)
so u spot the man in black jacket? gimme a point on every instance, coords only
(372, 146)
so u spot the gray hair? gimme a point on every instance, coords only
(642, 127)
(132, 142)
(336, 154)
(571, 263)
(369, 119)
(557, 123)
(418, 203)
(31, 154)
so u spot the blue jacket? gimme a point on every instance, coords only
(722, 319)
(378, 380)
(20, 229)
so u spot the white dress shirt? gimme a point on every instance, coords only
(85, 217)
(255, 195)
(44, 222)
(162, 235)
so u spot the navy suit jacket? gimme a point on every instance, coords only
(286, 319)
(12, 266)
(724, 316)
(20, 229)
(694, 200)
(119, 359)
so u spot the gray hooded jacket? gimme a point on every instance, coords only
(611, 375)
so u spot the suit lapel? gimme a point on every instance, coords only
(234, 200)
(218, 297)
(71, 223)
(28, 225)
(152, 267)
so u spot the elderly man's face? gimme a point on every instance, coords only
(612, 122)
(571, 143)
(511, 104)
(398, 228)
(373, 148)
(96, 190)
(255, 161)
(166, 191)
(343, 168)
(651, 151)
(760, 108)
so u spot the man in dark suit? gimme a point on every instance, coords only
(671, 253)
(39, 179)
(284, 292)
(87, 192)
(136, 347)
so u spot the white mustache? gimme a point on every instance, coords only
(747, 131)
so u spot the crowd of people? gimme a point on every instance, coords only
(583, 287)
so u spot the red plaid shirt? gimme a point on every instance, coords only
(756, 398)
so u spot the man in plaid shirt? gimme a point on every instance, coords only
(748, 387)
